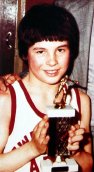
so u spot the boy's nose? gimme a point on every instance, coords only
(51, 60)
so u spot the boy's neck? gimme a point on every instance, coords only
(40, 90)
(39, 86)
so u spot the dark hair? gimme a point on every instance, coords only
(48, 22)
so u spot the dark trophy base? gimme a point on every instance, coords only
(60, 121)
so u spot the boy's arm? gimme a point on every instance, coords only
(9, 161)
(84, 154)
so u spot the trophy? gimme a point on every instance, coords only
(61, 117)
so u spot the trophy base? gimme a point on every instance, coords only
(69, 165)
(60, 121)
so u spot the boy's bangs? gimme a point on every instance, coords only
(38, 36)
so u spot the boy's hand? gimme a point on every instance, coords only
(39, 136)
(6, 80)
(75, 137)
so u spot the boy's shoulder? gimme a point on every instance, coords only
(84, 99)
(83, 95)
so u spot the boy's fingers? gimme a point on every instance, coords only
(81, 131)
(45, 141)
(73, 147)
(41, 127)
(75, 127)
(2, 84)
(6, 80)
(74, 139)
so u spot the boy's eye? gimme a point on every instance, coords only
(61, 50)
(40, 52)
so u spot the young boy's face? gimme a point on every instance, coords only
(48, 60)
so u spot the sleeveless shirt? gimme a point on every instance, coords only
(24, 117)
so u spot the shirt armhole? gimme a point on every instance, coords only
(78, 99)
(13, 108)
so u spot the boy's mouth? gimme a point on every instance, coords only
(51, 73)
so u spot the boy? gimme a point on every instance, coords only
(48, 41)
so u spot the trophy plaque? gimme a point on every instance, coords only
(60, 121)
